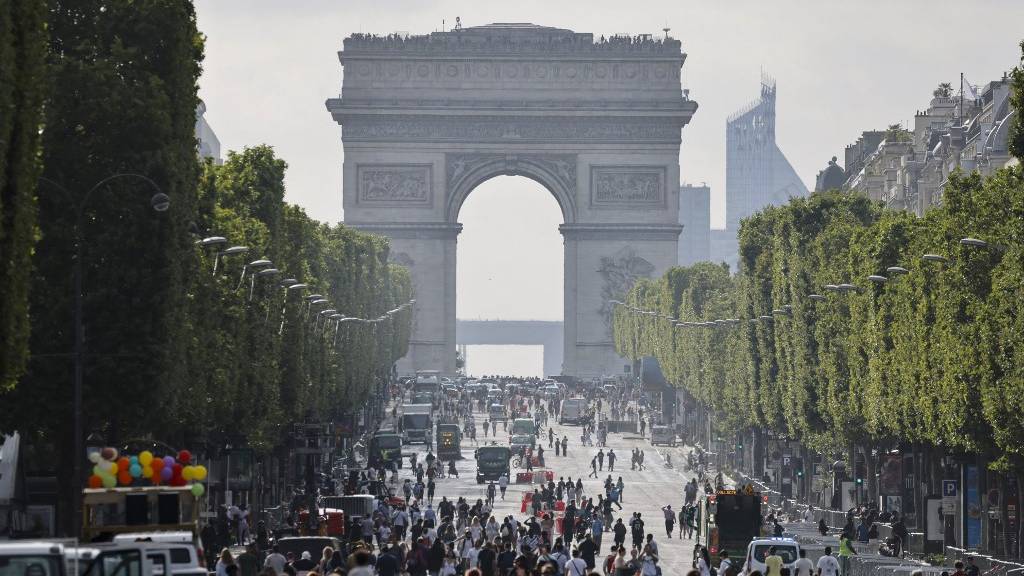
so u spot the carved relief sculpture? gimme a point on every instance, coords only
(619, 273)
(394, 184)
(627, 186)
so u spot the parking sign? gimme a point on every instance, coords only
(950, 489)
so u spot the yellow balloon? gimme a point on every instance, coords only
(186, 472)
(199, 472)
(112, 468)
(145, 457)
(147, 472)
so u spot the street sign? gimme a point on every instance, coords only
(950, 489)
(787, 460)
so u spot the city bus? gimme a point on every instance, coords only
(729, 520)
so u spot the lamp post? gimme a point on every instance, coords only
(160, 202)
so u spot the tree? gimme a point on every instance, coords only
(121, 98)
(944, 90)
(1017, 102)
(22, 66)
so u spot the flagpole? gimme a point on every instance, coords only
(961, 98)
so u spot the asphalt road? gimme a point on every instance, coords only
(645, 491)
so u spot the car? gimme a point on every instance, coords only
(663, 435)
(757, 551)
(520, 442)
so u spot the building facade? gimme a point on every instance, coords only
(908, 168)
(757, 173)
(695, 217)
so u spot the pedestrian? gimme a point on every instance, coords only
(803, 566)
(725, 564)
(827, 564)
(643, 427)
(593, 467)
(565, 445)
(600, 459)
(503, 484)
(491, 492)
(846, 550)
(620, 532)
(611, 460)
(431, 485)
(704, 561)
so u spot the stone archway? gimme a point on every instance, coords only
(426, 119)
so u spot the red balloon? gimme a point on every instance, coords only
(157, 465)
(123, 463)
(184, 456)
(178, 481)
(95, 481)
(176, 469)
(124, 478)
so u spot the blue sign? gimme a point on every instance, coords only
(949, 488)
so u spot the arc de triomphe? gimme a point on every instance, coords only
(425, 119)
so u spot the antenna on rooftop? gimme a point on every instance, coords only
(665, 30)
(458, 23)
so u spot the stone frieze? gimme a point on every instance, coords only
(398, 184)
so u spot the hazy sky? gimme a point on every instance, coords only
(841, 68)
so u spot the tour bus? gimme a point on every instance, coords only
(573, 411)
(492, 462)
(729, 520)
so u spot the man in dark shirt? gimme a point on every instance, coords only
(588, 549)
(387, 563)
(304, 564)
(506, 560)
(487, 560)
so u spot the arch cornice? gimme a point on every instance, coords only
(555, 172)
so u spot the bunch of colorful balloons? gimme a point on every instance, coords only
(110, 470)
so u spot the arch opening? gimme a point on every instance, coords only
(510, 278)
(555, 176)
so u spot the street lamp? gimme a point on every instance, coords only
(816, 297)
(159, 202)
(255, 264)
(896, 270)
(212, 241)
(232, 251)
(878, 279)
(975, 242)
(265, 273)
(935, 258)
(291, 286)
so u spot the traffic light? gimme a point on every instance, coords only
(860, 481)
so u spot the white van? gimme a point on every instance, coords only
(186, 558)
(25, 557)
(573, 410)
(786, 548)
